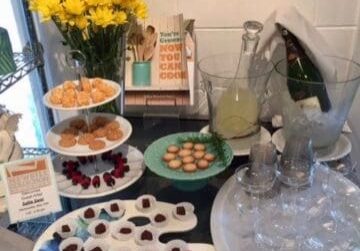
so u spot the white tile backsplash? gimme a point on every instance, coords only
(336, 12)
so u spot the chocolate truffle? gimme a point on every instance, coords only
(145, 203)
(100, 229)
(125, 230)
(96, 249)
(114, 207)
(65, 229)
(146, 235)
(89, 213)
(71, 247)
(180, 210)
(159, 218)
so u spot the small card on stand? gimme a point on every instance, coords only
(30, 188)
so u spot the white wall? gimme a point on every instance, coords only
(218, 25)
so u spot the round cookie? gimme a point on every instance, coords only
(188, 145)
(199, 147)
(114, 134)
(172, 149)
(188, 159)
(198, 154)
(190, 168)
(174, 164)
(67, 142)
(209, 157)
(100, 132)
(184, 152)
(96, 144)
(112, 125)
(202, 164)
(86, 138)
(168, 157)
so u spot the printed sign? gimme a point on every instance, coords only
(30, 188)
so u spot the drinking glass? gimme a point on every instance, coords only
(341, 80)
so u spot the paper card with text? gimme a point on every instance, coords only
(30, 188)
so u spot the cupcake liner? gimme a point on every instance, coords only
(90, 244)
(159, 224)
(89, 220)
(138, 203)
(72, 240)
(94, 224)
(118, 214)
(182, 245)
(139, 231)
(189, 209)
(115, 231)
(71, 224)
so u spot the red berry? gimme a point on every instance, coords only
(110, 182)
(96, 181)
(126, 168)
(64, 164)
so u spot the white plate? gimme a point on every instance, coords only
(231, 232)
(135, 161)
(342, 148)
(53, 136)
(116, 86)
(241, 147)
(173, 226)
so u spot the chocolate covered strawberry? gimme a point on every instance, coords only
(85, 182)
(96, 181)
(117, 173)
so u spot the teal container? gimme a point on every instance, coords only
(141, 73)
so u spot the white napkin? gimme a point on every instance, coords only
(311, 40)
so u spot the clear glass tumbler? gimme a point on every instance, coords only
(341, 81)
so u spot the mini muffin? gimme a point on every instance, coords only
(96, 145)
(188, 159)
(114, 134)
(90, 214)
(66, 229)
(198, 154)
(115, 208)
(169, 156)
(202, 164)
(71, 244)
(69, 85)
(199, 147)
(190, 168)
(159, 219)
(184, 152)
(97, 96)
(108, 90)
(147, 235)
(145, 203)
(67, 142)
(99, 228)
(188, 145)
(184, 211)
(69, 133)
(56, 96)
(86, 138)
(209, 157)
(85, 85)
(172, 149)
(174, 164)
(176, 245)
(123, 230)
(96, 245)
(100, 132)
(97, 82)
(100, 121)
(68, 101)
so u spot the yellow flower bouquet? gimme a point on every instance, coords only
(96, 28)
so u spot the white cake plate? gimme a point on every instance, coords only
(231, 231)
(174, 226)
(241, 146)
(116, 86)
(53, 136)
(342, 147)
(136, 164)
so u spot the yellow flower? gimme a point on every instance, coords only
(46, 8)
(102, 16)
(74, 7)
(141, 10)
(98, 2)
(120, 17)
(81, 22)
(118, 2)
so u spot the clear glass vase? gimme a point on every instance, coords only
(324, 128)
